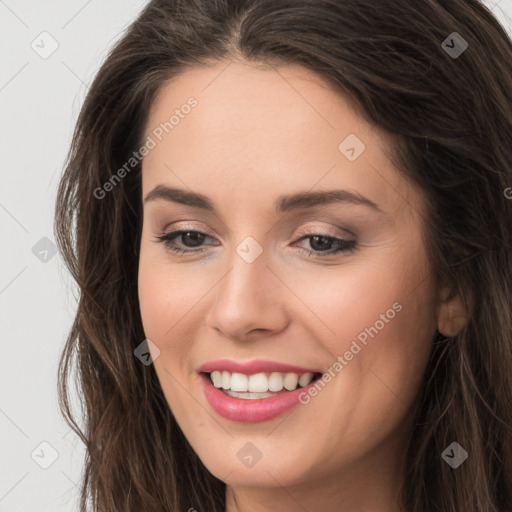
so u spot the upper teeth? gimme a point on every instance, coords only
(259, 382)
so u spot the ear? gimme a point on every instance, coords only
(452, 316)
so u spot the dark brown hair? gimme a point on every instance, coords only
(451, 122)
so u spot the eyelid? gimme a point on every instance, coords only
(308, 230)
(183, 226)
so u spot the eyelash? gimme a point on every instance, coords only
(346, 246)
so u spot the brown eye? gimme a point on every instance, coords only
(324, 245)
(189, 238)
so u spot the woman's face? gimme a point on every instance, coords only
(282, 274)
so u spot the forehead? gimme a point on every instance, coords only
(233, 96)
(258, 128)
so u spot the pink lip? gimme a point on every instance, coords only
(250, 411)
(255, 366)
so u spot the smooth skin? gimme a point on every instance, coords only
(258, 133)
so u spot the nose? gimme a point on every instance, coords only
(249, 300)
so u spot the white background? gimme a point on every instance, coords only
(39, 102)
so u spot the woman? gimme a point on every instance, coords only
(290, 223)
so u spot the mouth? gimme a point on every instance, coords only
(259, 385)
(257, 397)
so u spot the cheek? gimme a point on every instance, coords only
(166, 293)
(341, 302)
(172, 304)
(155, 300)
(379, 318)
(164, 300)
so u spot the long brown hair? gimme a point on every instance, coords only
(450, 117)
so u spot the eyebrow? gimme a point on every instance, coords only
(283, 204)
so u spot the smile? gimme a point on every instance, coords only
(254, 396)
(258, 384)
